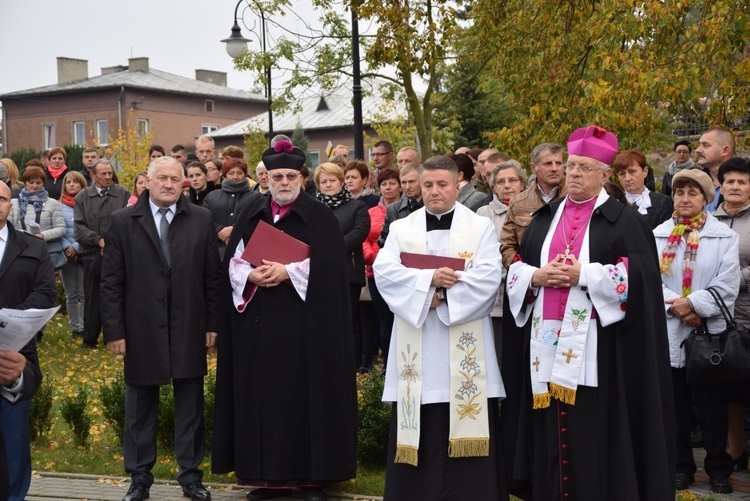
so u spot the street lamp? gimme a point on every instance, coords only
(237, 44)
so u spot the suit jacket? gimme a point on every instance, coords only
(162, 313)
(470, 197)
(27, 280)
(91, 215)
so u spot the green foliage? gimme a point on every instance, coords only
(299, 139)
(256, 143)
(75, 413)
(629, 67)
(209, 392)
(165, 426)
(23, 155)
(60, 299)
(40, 421)
(413, 38)
(374, 423)
(74, 157)
(112, 397)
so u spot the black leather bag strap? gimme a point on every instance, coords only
(723, 308)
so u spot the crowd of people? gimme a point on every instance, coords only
(531, 329)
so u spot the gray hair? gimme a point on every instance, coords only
(553, 148)
(165, 159)
(508, 164)
(102, 161)
(412, 148)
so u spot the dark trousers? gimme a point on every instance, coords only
(368, 322)
(14, 423)
(439, 477)
(712, 402)
(354, 292)
(92, 313)
(385, 318)
(141, 410)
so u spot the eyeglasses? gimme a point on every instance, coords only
(278, 177)
(382, 154)
(682, 152)
(583, 169)
(512, 180)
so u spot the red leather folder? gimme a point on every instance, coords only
(427, 262)
(272, 244)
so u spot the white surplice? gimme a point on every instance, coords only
(408, 292)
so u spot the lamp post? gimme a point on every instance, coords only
(359, 150)
(237, 44)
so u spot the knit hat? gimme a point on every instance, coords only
(702, 179)
(283, 155)
(231, 163)
(594, 142)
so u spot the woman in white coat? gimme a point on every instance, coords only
(697, 252)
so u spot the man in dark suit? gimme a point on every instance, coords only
(411, 200)
(160, 291)
(27, 280)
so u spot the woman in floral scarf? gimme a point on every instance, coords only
(697, 252)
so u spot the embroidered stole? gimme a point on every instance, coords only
(469, 427)
(557, 347)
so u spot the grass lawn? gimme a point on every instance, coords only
(69, 367)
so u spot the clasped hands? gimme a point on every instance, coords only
(445, 278)
(682, 309)
(558, 273)
(269, 274)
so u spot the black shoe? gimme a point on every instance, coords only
(195, 491)
(683, 481)
(740, 462)
(315, 494)
(137, 492)
(721, 485)
(262, 494)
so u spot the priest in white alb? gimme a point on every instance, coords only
(442, 373)
(597, 414)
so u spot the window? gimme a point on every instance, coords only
(207, 128)
(144, 126)
(209, 106)
(79, 133)
(314, 158)
(102, 132)
(49, 135)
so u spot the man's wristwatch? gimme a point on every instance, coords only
(440, 293)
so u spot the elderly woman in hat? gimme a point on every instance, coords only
(697, 252)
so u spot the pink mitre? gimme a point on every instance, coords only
(594, 142)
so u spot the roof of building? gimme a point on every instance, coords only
(152, 79)
(333, 111)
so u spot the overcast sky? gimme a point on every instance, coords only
(177, 36)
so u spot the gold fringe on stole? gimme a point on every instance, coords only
(468, 447)
(406, 454)
(566, 395)
(541, 400)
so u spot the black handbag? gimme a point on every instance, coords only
(718, 358)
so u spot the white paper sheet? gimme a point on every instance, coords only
(17, 327)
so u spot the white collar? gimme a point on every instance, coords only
(155, 208)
